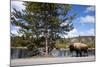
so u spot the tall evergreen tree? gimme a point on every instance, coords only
(46, 20)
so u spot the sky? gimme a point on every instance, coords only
(84, 22)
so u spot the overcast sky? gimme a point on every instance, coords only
(84, 23)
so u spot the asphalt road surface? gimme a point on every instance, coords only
(50, 60)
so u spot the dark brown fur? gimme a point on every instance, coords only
(80, 51)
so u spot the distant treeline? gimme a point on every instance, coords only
(60, 43)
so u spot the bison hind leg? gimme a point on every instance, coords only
(80, 53)
(85, 52)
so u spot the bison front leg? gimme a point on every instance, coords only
(77, 53)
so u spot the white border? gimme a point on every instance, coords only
(82, 2)
(4, 33)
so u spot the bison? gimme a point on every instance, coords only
(79, 48)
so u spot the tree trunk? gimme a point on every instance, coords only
(46, 38)
(46, 44)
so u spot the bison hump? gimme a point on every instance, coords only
(79, 45)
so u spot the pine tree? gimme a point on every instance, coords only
(43, 20)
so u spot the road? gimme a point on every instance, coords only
(50, 60)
